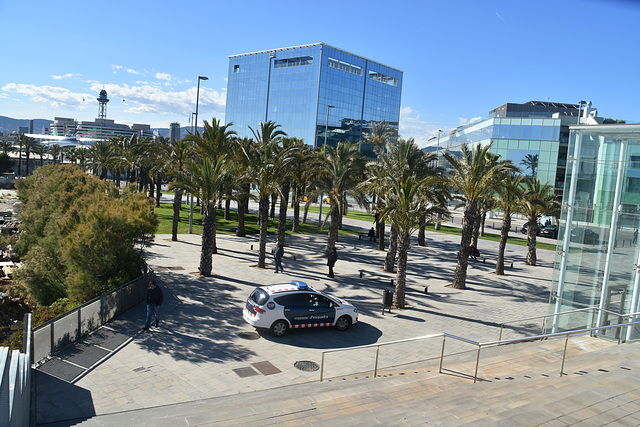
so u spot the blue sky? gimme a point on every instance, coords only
(461, 58)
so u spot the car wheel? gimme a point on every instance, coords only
(343, 323)
(279, 328)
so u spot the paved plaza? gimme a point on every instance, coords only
(203, 348)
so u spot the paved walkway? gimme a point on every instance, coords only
(203, 348)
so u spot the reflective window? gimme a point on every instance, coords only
(379, 77)
(293, 62)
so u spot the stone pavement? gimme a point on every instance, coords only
(203, 349)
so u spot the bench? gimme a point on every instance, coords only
(383, 275)
(484, 261)
(366, 236)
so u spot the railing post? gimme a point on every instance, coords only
(501, 326)
(544, 325)
(564, 355)
(475, 375)
(322, 367)
(444, 337)
(375, 369)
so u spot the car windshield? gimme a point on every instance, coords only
(335, 300)
(259, 296)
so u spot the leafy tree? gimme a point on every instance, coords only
(79, 235)
(343, 170)
(265, 163)
(538, 200)
(530, 162)
(474, 176)
(508, 199)
(205, 179)
(215, 143)
(6, 163)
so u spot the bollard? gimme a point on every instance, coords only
(251, 247)
(361, 274)
(426, 289)
(391, 284)
(294, 257)
(511, 265)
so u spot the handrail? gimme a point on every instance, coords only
(480, 345)
(545, 316)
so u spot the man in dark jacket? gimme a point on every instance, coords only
(278, 252)
(154, 301)
(331, 261)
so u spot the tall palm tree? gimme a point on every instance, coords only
(215, 142)
(530, 161)
(343, 170)
(538, 200)
(303, 170)
(6, 146)
(55, 150)
(205, 179)
(508, 198)
(176, 155)
(410, 184)
(285, 184)
(265, 164)
(30, 145)
(474, 176)
(102, 157)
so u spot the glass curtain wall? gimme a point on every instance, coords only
(598, 252)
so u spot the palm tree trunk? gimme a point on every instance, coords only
(333, 226)
(206, 254)
(158, 189)
(401, 276)
(263, 212)
(282, 215)
(476, 230)
(470, 215)
(504, 234)
(422, 224)
(390, 260)
(532, 228)
(380, 227)
(483, 220)
(295, 203)
(177, 205)
(272, 211)
(306, 210)
(214, 228)
(240, 231)
(227, 208)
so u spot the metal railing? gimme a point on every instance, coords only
(546, 316)
(55, 334)
(481, 345)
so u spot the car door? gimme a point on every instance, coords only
(321, 310)
(296, 307)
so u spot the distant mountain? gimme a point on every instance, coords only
(8, 125)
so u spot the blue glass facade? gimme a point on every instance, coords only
(296, 86)
(519, 140)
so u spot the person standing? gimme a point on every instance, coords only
(635, 236)
(154, 301)
(278, 253)
(372, 235)
(331, 261)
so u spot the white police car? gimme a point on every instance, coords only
(296, 305)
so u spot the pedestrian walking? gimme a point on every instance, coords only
(331, 261)
(372, 235)
(154, 301)
(278, 252)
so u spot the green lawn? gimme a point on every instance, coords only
(165, 213)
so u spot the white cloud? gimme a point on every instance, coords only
(118, 68)
(463, 121)
(163, 76)
(56, 97)
(411, 125)
(66, 76)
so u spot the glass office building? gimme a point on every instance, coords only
(533, 135)
(309, 89)
(598, 252)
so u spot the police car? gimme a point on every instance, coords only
(296, 305)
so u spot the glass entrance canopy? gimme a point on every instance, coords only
(598, 253)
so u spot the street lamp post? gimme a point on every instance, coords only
(324, 147)
(195, 127)
(438, 224)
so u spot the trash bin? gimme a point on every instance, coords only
(387, 300)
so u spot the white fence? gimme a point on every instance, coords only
(15, 387)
